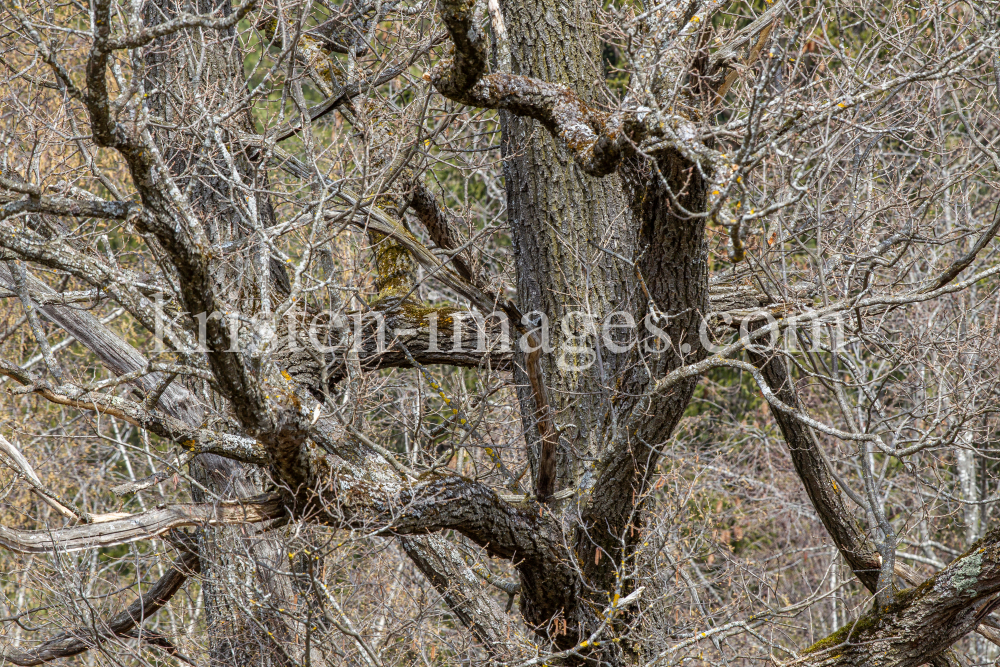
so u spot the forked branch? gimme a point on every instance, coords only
(597, 140)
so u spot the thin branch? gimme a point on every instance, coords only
(963, 262)
(21, 465)
(194, 440)
(21, 289)
(147, 35)
(122, 624)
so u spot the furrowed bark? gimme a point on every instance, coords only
(826, 497)
(461, 340)
(468, 65)
(548, 87)
(676, 275)
(366, 496)
(597, 140)
(440, 225)
(554, 212)
(467, 596)
(607, 207)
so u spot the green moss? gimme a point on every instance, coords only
(870, 621)
(852, 630)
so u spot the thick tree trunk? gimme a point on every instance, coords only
(562, 220)
(608, 214)
(557, 216)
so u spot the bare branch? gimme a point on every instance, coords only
(963, 262)
(920, 622)
(122, 624)
(182, 22)
(24, 467)
(70, 207)
(143, 526)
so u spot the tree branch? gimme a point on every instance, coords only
(108, 210)
(22, 465)
(143, 526)
(175, 226)
(597, 140)
(963, 262)
(466, 596)
(105, 131)
(56, 253)
(195, 440)
(456, 78)
(826, 496)
(122, 624)
(17, 272)
(921, 622)
(523, 532)
(147, 35)
(823, 490)
(439, 225)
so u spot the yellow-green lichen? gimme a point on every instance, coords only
(395, 270)
(419, 314)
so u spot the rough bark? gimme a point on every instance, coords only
(582, 243)
(827, 496)
(318, 352)
(556, 213)
(465, 594)
(921, 622)
(560, 218)
(675, 271)
(237, 635)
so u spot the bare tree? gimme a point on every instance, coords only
(487, 299)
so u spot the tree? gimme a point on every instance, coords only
(287, 241)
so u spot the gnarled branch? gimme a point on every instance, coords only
(114, 210)
(143, 526)
(597, 140)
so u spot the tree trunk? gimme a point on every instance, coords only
(189, 74)
(564, 222)
(557, 214)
